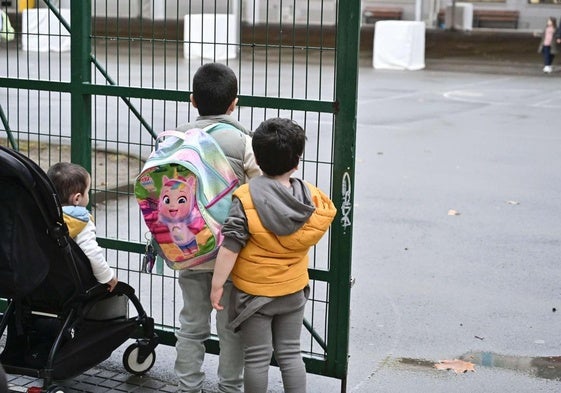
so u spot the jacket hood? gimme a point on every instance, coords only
(78, 212)
(76, 219)
(282, 210)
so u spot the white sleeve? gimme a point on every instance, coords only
(250, 166)
(88, 243)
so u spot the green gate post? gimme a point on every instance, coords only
(81, 116)
(347, 47)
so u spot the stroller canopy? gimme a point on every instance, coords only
(31, 224)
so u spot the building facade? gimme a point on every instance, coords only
(533, 13)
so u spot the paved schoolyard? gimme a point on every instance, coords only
(482, 284)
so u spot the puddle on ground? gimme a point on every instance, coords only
(415, 363)
(547, 367)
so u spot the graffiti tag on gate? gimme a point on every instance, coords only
(346, 203)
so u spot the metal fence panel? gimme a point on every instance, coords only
(96, 91)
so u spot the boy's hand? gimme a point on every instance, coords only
(224, 263)
(215, 296)
(112, 283)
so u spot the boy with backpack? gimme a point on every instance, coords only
(274, 220)
(215, 89)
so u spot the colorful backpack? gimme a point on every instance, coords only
(184, 192)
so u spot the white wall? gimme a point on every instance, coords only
(161, 9)
(271, 11)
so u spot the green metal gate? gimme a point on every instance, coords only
(96, 81)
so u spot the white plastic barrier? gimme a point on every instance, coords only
(211, 36)
(399, 45)
(463, 16)
(41, 30)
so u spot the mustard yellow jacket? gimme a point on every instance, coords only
(275, 265)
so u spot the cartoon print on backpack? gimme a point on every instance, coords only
(177, 209)
(171, 212)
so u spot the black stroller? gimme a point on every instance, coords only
(60, 322)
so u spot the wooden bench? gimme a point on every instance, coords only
(372, 15)
(489, 18)
(495, 18)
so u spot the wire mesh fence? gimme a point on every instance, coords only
(95, 82)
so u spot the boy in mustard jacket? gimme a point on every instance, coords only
(273, 222)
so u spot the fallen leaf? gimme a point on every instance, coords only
(459, 366)
(453, 212)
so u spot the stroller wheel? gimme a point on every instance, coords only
(130, 360)
(55, 389)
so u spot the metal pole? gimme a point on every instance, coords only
(81, 108)
(418, 10)
(453, 23)
(348, 33)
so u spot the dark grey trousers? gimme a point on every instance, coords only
(276, 327)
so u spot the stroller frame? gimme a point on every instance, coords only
(80, 341)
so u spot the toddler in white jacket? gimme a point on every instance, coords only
(72, 183)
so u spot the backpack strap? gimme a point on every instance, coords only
(210, 128)
(181, 134)
(231, 139)
(178, 134)
(174, 133)
(220, 126)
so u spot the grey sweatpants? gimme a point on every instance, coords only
(195, 329)
(275, 327)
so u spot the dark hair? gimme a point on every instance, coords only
(278, 145)
(215, 86)
(68, 179)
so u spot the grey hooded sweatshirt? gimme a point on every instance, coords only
(282, 210)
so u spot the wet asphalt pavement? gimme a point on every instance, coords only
(457, 231)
